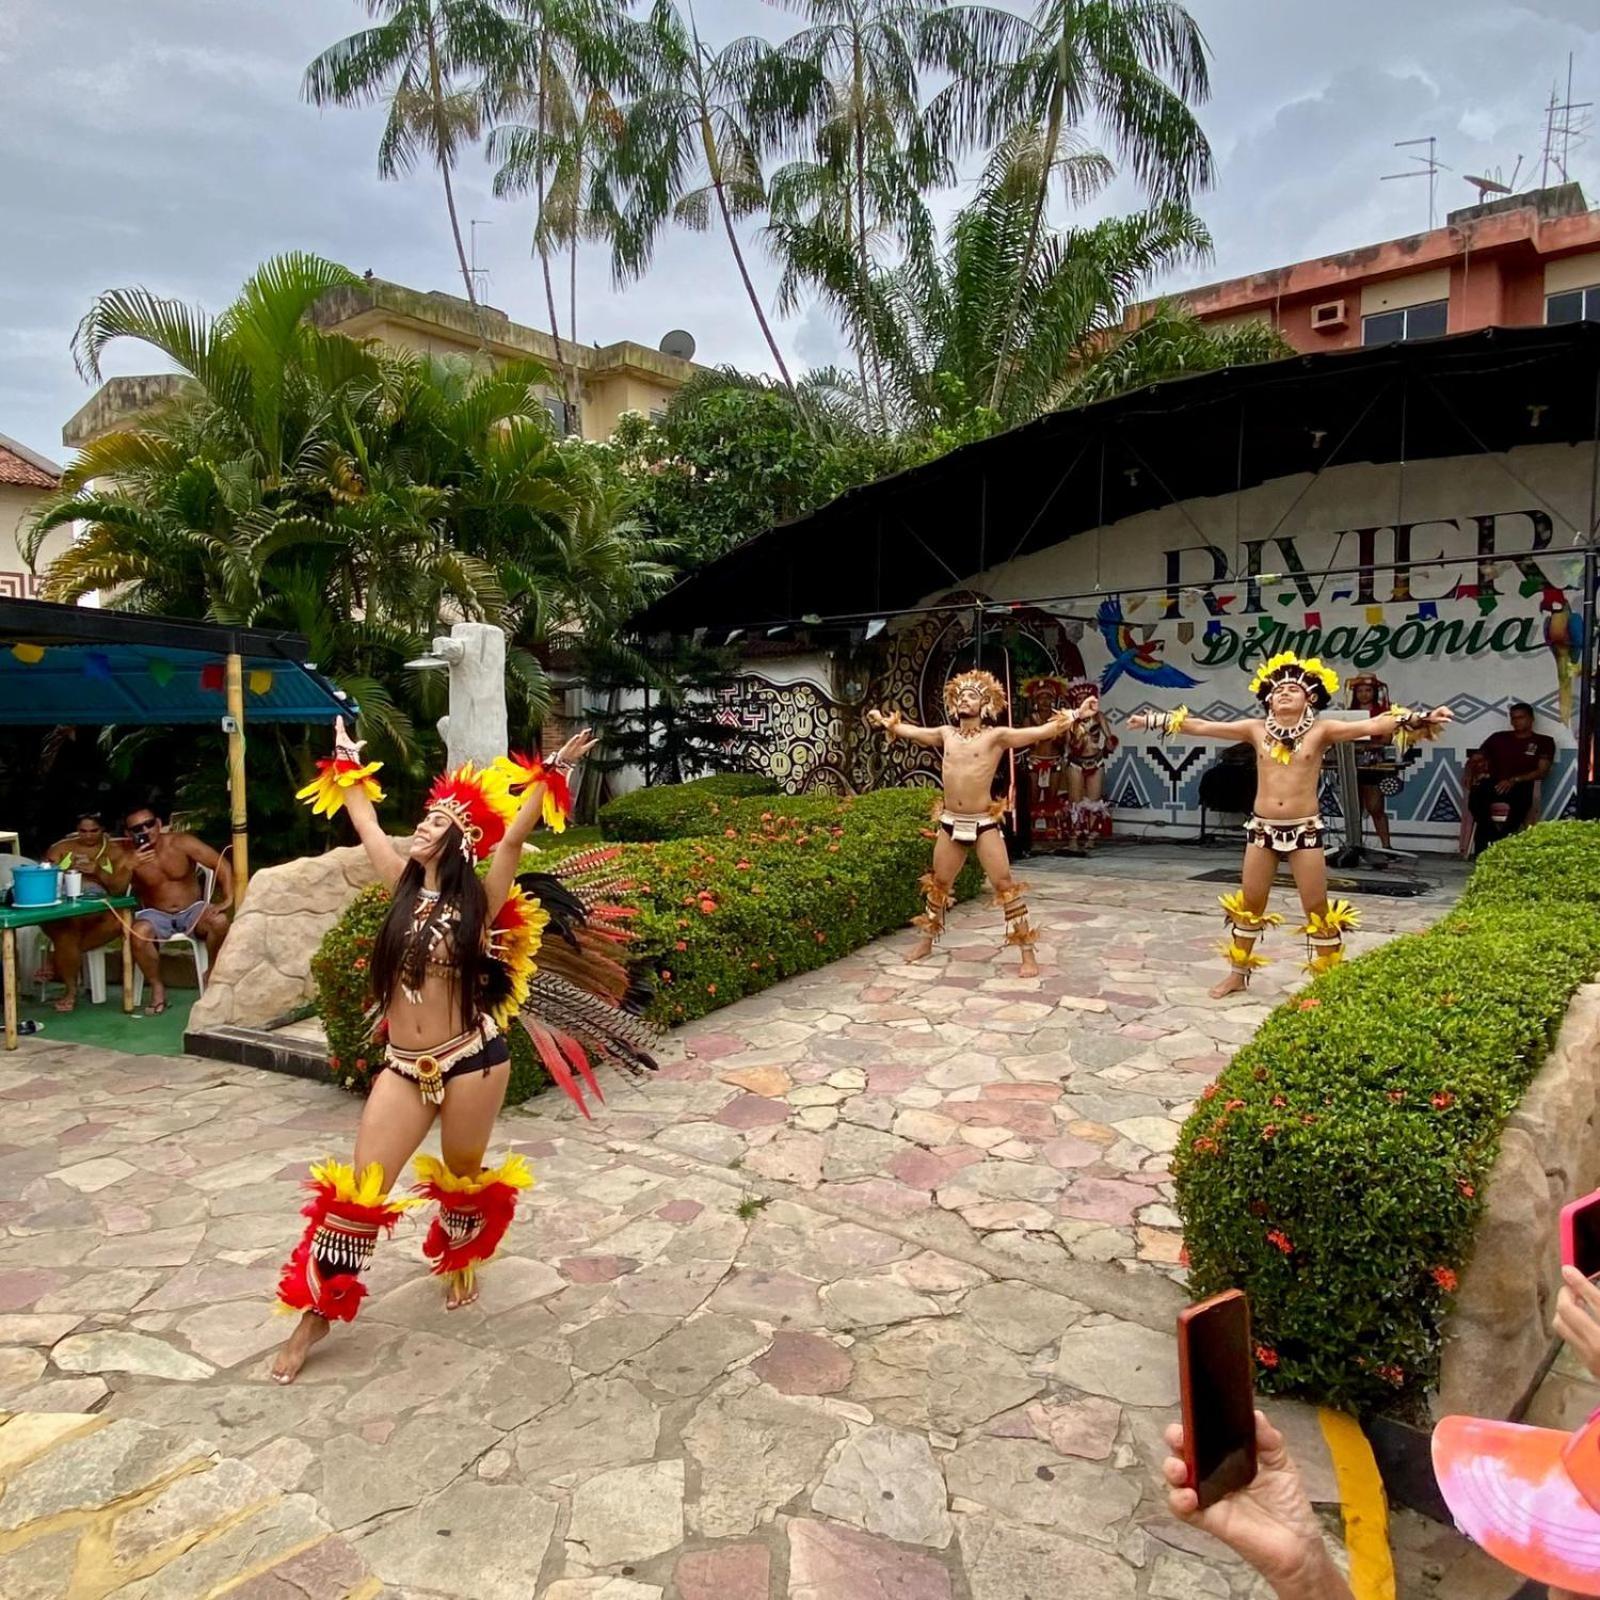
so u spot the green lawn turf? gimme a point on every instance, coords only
(108, 1027)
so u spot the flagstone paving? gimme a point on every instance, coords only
(868, 1297)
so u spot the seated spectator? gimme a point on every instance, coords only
(106, 866)
(166, 880)
(1514, 760)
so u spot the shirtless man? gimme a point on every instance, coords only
(106, 866)
(972, 750)
(1289, 741)
(166, 880)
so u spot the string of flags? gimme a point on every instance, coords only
(97, 666)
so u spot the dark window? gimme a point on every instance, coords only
(1574, 305)
(1426, 321)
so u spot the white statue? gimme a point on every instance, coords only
(475, 729)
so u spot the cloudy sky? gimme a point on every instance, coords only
(164, 143)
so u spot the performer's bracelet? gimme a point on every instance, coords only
(1170, 723)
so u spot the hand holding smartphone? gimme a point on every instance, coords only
(1580, 1235)
(1216, 1377)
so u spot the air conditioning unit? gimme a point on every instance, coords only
(1329, 317)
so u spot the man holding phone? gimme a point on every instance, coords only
(166, 880)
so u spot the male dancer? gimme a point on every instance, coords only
(1289, 741)
(972, 748)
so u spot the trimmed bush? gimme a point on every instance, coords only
(675, 810)
(344, 1003)
(1335, 1169)
(754, 890)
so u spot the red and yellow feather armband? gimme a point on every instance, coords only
(325, 794)
(519, 773)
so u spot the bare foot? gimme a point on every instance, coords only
(1233, 984)
(457, 1298)
(68, 1002)
(310, 1330)
(1030, 965)
(922, 952)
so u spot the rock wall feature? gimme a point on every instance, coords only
(1498, 1336)
(264, 968)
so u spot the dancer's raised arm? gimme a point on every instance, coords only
(1169, 723)
(1418, 724)
(896, 728)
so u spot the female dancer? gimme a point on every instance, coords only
(1370, 694)
(451, 965)
(1088, 751)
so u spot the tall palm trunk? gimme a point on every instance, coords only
(442, 136)
(568, 397)
(714, 167)
(1002, 355)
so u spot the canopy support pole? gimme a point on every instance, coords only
(236, 791)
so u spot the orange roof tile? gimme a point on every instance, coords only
(18, 470)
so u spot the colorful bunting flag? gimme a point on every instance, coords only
(1428, 610)
(211, 677)
(1285, 599)
(1185, 633)
(1343, 594)
(30, 655)
(1530, 586)
(1313, 619)
(1487, 603)
(97, 665)
(161, 671)
(1374, 615)
(260, 680)
(1213, 629)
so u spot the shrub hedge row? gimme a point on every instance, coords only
(738, 893)
(1336, 1168)
(675, 810)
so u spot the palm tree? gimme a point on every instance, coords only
(416, 59)
(696, 137)
(1133, 66)
(938, 319)
(563, 58)
(873, 146)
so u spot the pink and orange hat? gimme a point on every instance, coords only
(1529, 1497)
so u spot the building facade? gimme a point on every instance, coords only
(26, 479)
(608, 380)
(1522, 261)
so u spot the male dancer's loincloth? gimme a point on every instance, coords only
(1286, 836)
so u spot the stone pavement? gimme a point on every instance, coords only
(867, 1297)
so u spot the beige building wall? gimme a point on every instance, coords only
(16, 506)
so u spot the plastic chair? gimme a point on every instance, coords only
(91, 971)
(195, 943)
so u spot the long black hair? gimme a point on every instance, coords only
(402, 945)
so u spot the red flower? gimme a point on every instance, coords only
(333, 1063)
(361, 1063)
(1397, 1095)
(1310, 1005)
(1443, 1100)
(711, 988)
(1269, 1131)
(681, 944)
(1266, 1356)
(741, 866)
(1209, 1092)
(666, 975)
(361, 963)
(1205, 1146)
(1234, 1105)
(1445, 1278)
(1279, 1102)
(1466, 1188)
(1394, 1375)
(1279, 1240)
(822, 938)
(1183, 1255)
(730, 833)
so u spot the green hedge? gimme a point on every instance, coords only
(676, 810)
(756, 890)
(1336, 1168)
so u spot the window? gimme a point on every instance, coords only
(1426, 321)
(1574, 305)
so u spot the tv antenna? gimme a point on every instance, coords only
(480, 275)
(1429, 167)
(1563, 124)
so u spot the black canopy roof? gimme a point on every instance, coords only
(882, 548)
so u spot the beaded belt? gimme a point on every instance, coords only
(429, 1068)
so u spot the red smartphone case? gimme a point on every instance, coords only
(1186, 1317)
(1569, 1227)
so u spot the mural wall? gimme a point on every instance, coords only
(1178, 605)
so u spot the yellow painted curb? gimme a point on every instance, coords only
(1366, 1511)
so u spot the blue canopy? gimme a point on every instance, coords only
(76, 665)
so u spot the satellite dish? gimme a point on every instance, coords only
(1488, 186)
(679, 344)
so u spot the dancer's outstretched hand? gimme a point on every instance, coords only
(577, 747)
(1441, 715)
(1090, 708)
(877, 718)
(346, 748)
(1138, 722)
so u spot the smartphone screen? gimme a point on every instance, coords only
(1219, 1407)
(1580, 1232)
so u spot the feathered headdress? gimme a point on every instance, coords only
(1319, 682)
(1059, 688)
(518, 773)
(478, 805)
(1081, 689)
(994, 697)
(1380, 690)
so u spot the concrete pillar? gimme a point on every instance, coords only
(475, 729)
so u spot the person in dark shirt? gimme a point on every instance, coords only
(1516, 758)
